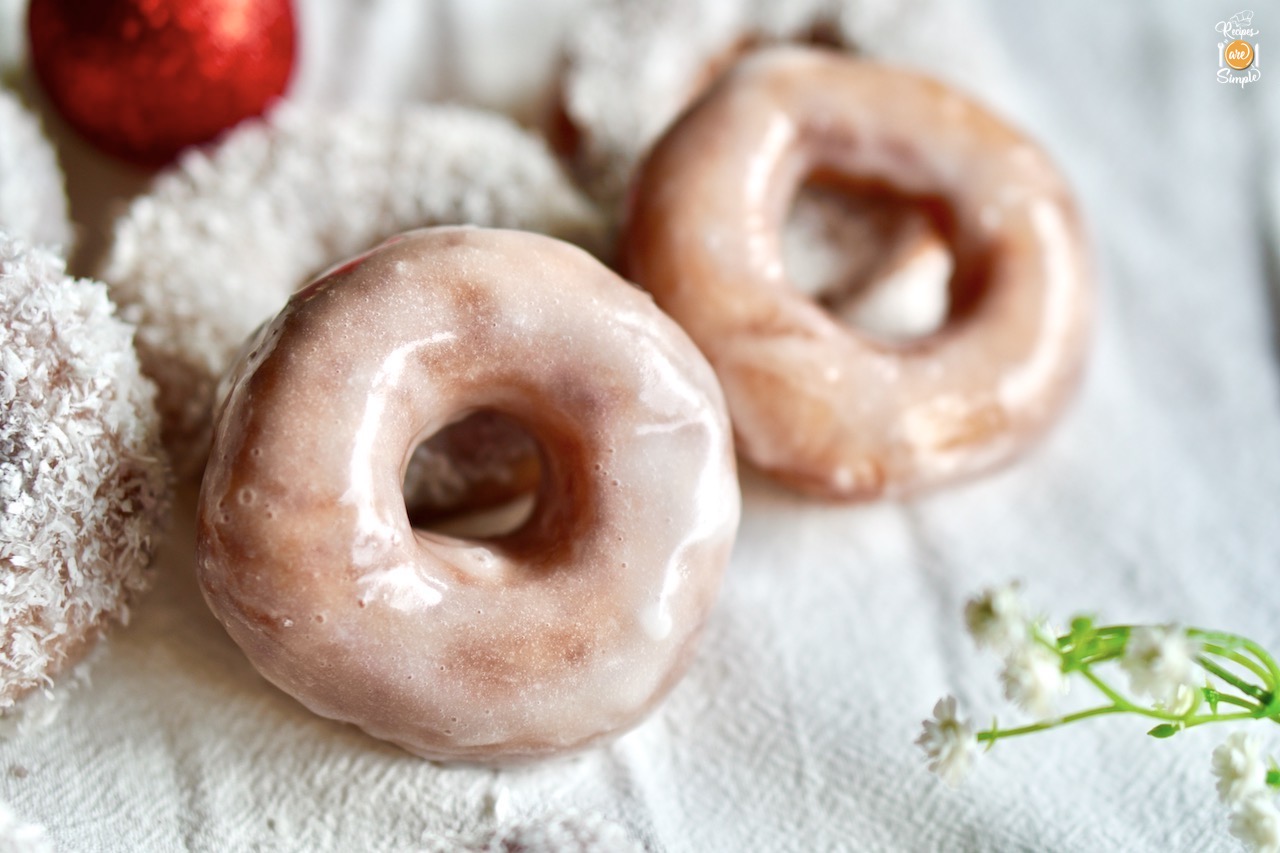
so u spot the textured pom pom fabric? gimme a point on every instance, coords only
(33, 204)
(221, 241)
(630, 64)
(83, 484)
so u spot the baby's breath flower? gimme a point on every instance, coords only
(1256, 822)
(1179, 677)
(1185, 700)
(996, 618)
(1159, 659)
(948, 742)
(1033, 679)
(1239, 768)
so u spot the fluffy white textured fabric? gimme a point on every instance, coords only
(17, 836)
(33, 205)
(568, 832)
(82, 479)
(221, 240)
(629, 66)
(838, 627)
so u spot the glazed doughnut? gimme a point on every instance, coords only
(881, 265)
(222, 239)
(83, 484)
(33, 205)
(547, 639)
(815, 403)
(663, 53)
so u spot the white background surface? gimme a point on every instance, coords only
(1157, 499)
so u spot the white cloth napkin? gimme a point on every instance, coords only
(1155, 499)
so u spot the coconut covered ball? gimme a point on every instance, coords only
(223, 238)
(83, 482)
(33, 204)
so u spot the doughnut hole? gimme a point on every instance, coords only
(877, 261)
(476, 478)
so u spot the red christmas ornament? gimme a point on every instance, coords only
(143, 79)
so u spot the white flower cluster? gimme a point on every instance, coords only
(1242, 786)
(1032, 679)
(1160, 663)
(1177, 676)
(948, 742)
(1032, 674)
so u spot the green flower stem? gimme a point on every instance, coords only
(1109, 692)
(1272, 677)
(1100, 644)
(1201, 719)
(1235, 681)
(1273, 683)
(1108, 642)
(1234, 641)
(1254, 712)
(1228, 699)
(993, 735)
(1237, 658)
(1241, 679)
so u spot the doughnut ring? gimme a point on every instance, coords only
(83, 481)
(821, 407)
(664, 53)
(33, 205)
(222, 239)
(546, 639)
(880, 264)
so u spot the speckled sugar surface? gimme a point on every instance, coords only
(222, 239)
(83, 482)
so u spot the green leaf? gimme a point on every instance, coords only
(1211, 696)
(1164, 730)
(1074, 646)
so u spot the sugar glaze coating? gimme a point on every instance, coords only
(557, 635)
(228, 233)
(818, 405)
(663, 53)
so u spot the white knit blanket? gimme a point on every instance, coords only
(1155, 499)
